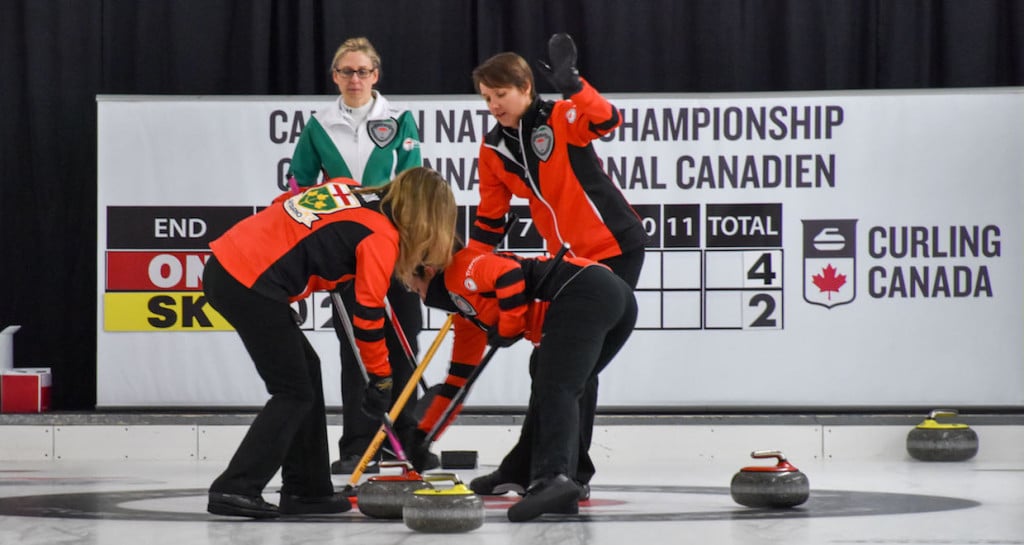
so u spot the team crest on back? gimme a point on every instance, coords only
(308, 206)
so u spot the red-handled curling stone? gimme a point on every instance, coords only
(781, 485)
(384, 496)
(444, 510)
(932, 441)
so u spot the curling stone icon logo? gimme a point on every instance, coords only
(830, 259)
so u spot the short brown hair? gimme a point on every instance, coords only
(505, 70)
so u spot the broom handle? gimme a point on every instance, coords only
(389, 424)
(403, 398)
(403, 340)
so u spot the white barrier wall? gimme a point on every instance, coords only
(815, 249)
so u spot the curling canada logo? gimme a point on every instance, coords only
(830, 259)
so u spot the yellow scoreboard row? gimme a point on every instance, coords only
(160, 311)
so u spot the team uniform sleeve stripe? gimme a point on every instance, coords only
(370, 314)
(368, 323)
(509, 287)
(494, 223)
(481, 234)
(369, 335)
(448, 390)
(460, 369)
(510, 303)
(509, 279)
(601, 128)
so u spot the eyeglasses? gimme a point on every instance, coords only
(347, 73)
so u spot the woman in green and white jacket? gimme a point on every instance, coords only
(359, 136)
(362, 137)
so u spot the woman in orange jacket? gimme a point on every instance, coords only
(542, 151)
(326, 235)
(576, 312)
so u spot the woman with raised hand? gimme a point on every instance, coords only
(542, 151)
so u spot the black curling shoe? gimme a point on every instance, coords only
(321, 505)
(495, 483)
(348, 464)
(556, 495)
(239, 505)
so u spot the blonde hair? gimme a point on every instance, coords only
(423, 209)
(361, 45)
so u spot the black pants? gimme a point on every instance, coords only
(358, 429)
(585, 327)
(290, 432)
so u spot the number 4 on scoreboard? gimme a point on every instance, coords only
(762, 270)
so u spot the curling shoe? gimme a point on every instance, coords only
(557, 495)
(347, 464)
(321, 505)
(240, 505)
(495, 484)
(424, 460)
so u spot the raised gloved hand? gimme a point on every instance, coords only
(377, 396)
(562, 71)
(496, 339)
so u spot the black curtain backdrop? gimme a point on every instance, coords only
(57, 55)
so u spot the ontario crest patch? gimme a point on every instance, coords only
(308, 206)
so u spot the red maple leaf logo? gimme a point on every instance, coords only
(829, 281)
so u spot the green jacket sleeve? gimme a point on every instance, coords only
(306, 161)
(408, 155)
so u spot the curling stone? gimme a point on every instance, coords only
(383, 496)
(444, 510)
(781, 485)
(458, 459)
(931, 441)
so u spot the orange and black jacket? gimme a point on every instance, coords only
(550, 160)
(313, 241)
(494, 290)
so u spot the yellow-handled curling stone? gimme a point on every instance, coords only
(781, 485)
(443, 510)
(384, 496)
(932, 441)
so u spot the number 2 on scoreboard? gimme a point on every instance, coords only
(763, 308)
(763, 311)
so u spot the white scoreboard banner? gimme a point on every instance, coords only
(809, 250)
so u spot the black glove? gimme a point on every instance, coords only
(562, 71)
(495, 339)
(418, 451)
(377, 397)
